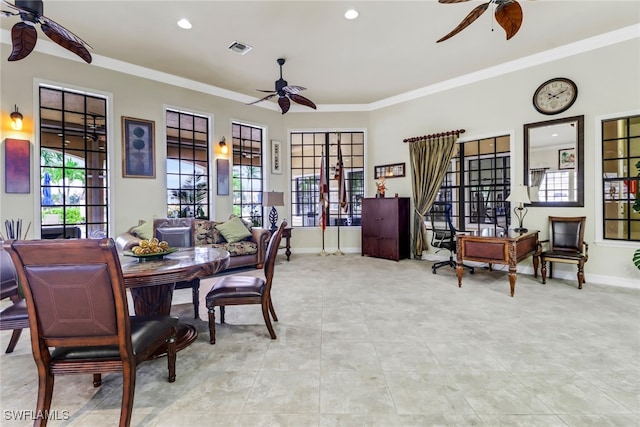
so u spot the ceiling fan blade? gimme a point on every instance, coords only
(66, 39)
(472, 16)
(266, 91)
(263, 99)
(452, 1)
(509, 16)
(23, 38)
(284, 103)
(293, 89)
(302, 100)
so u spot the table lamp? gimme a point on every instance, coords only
(273, 199)
(520, 196)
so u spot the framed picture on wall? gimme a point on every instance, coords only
(222, 169)
(276, 157)
(138, 148)
(17, 166)
(567, 158)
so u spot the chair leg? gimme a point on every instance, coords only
(222, 314)
(580, 275)
(128, 388)
(195, 290)
(543, 270)
(171, 356)
(97, 380)
(273, 312)
(267, 319)
(45, 392)
(15, 336)
(212, 325)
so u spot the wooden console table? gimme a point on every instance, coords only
(507, 248)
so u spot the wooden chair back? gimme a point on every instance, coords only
(272, 253)
(567, 234)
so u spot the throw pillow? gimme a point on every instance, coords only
(144, 231)
(234, 230)
(247, 223)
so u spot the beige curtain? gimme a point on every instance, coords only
(430, 159)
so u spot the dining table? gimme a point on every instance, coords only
(151, 281)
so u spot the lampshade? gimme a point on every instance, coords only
(16, 119)
(273, 198)
(519, 195)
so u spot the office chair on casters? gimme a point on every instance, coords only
(443, 235)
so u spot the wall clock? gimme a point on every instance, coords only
(555, 96)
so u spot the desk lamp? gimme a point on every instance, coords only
(520, 195)
(273, 199)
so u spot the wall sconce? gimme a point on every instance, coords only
(16, 119)
(223, 146)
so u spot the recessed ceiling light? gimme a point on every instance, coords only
(351, 14)
(184, 23)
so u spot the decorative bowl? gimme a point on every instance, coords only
(150, 257)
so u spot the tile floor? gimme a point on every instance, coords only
(370, 342)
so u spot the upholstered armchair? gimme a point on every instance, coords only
(565, 245)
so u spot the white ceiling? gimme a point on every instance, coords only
(389, 51)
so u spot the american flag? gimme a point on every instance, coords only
(323, 199)
(339, 175)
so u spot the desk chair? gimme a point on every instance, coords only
(566, 245)
(12, 317)
(244, 290)
(443, 235)
(79, 318)
(178, 232)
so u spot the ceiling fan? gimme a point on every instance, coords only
(285, 92)
(508, 14)
(24, 35)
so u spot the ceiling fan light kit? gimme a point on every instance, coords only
(24, 34)
(286, 93)
(508, 14)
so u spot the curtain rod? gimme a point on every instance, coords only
(434, 135)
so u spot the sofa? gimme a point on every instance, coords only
(247, 245)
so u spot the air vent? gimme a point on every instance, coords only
(239, 47)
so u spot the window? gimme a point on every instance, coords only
(73, 164)
(621, 178)
(307, 151)
(187, 165)
(247, 172)
(478, 183)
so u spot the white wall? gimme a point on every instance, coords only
(491, 107)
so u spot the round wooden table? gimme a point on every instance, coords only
(151, 282)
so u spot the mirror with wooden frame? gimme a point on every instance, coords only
(554, 162)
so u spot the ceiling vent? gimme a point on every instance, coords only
(239, 47)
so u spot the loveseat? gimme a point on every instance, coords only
(246, 245)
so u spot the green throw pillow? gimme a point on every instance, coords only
(144, 231)
(234, 230)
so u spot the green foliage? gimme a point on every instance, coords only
(72, 215)
(636, 258)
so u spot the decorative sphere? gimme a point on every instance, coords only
(138, 144)
(138, 131)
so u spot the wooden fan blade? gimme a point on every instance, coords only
(302, 100)
(452, 1)
(266, 91)
(263, 99)
(472, 16)
(23, 38)
(284, 103)
(509, 16)
(293, 89)
(66, 39)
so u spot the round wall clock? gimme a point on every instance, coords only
(555, 96)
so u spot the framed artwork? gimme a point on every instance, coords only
(138, 148)
(222, 168)
(276, 157)
(567, 158)
(17, 166)
(394, 170)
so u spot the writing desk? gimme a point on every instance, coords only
(151, 282)
(508, 248)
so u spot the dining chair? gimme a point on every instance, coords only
(14, 316)
(244, 290)
(565, 245)
(179, 232)
(79, 317)
(443, 235)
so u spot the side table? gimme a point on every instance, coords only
(286, 233)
